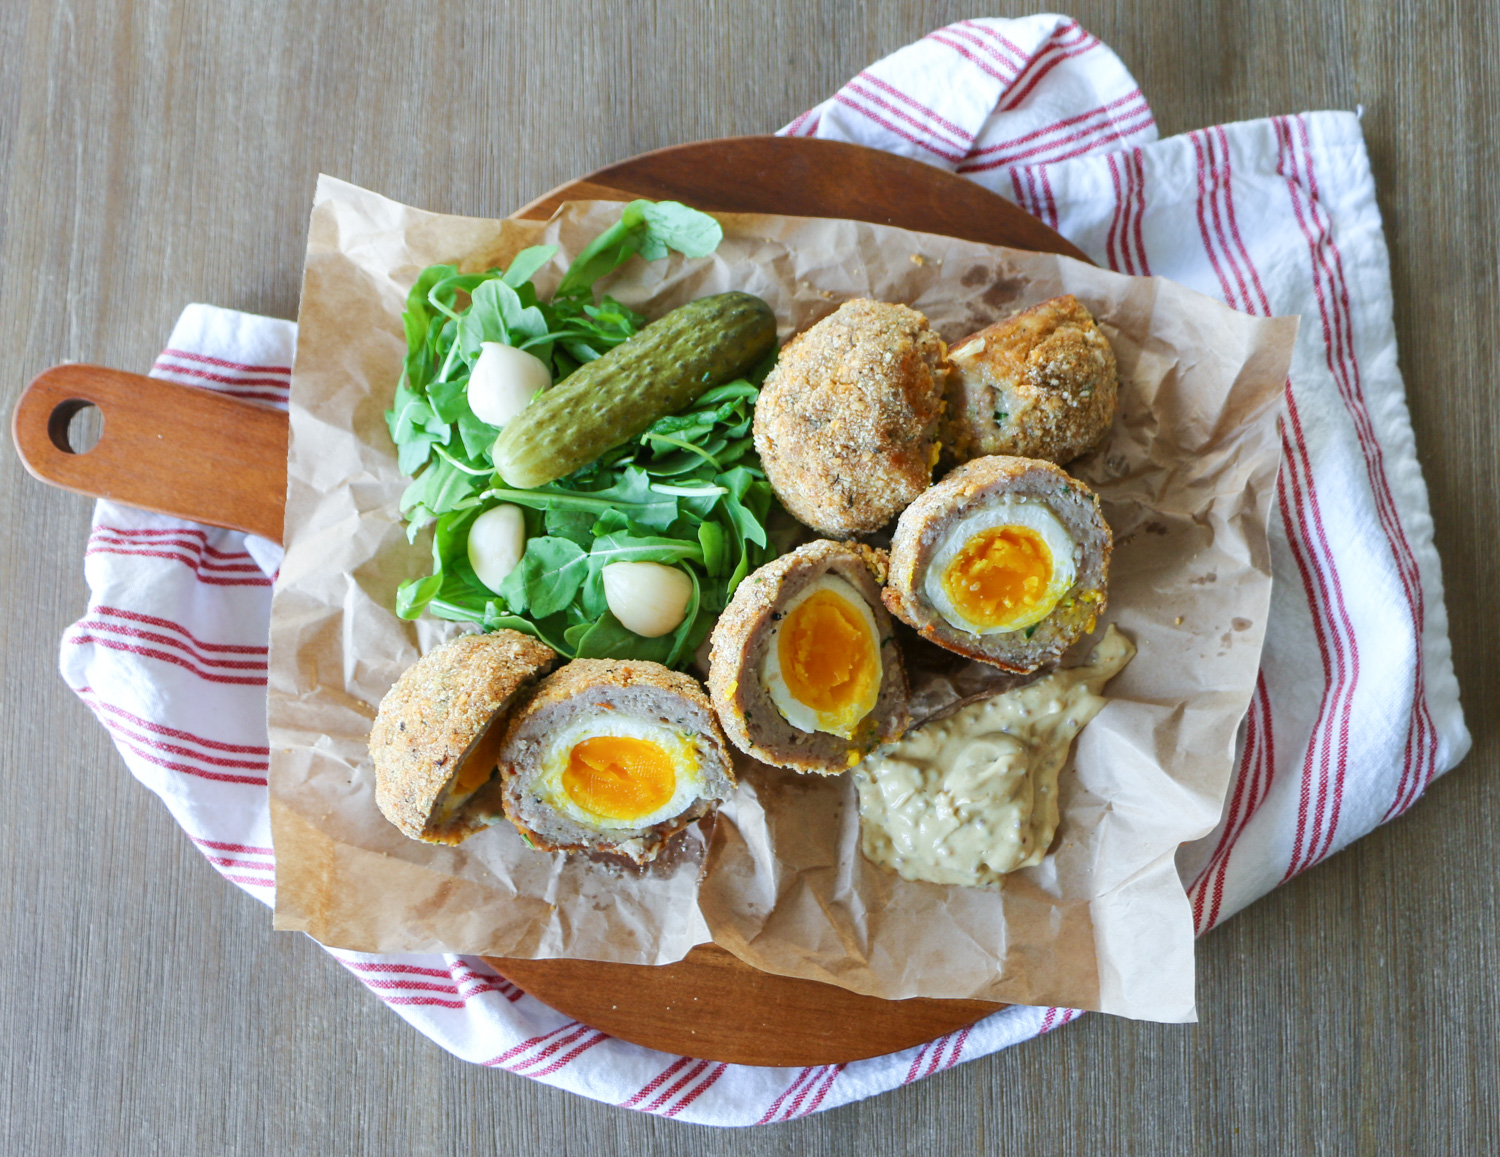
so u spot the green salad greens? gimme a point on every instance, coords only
(688, 493)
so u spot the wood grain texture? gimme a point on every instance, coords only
(811, 178)
(164, 447)
(158, 152)
(713, 1005)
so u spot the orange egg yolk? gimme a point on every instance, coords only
(475, 770)
(828, 659)
(472, 775)
(1000, 577)
(619, 778)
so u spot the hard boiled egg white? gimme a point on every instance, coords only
(822, 666)
(609, 771)
(1001, 568)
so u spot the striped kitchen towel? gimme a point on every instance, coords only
(1356, 709)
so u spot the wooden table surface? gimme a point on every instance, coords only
(157, 152)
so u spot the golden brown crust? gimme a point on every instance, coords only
(579, 675)
(737, 646)
(975, 482)
(436, 709)
(1042, 384)
(846, 423)
(576, 678)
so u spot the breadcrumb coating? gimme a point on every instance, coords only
(846, 424)
(1042, 384)
(442, 704)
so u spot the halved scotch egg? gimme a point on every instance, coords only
(804, 669)
(438, 730)
(1006, 560)
(1041, 384)
(613, 756)
(608, 769)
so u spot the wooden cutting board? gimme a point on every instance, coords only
(206, 457)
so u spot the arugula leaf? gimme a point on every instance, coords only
(549, 629)
(416, 297)
(647, 228)
(631, 494)
(443, 296)
(673, 225)
(610, 522)
(450, 403)
(448, 399)
(711, 539)
(591, 600)
(413, 595)
(609, 638)
(525, 264)
(574, 525)
(477, 436)
(641, 501)
(740, 390)
(684, 632)
(497, 313)
(414, 429)
(746, 502)
(420, 332)
(547, 577)
(439, 488)
(613, 320)
(737, 576)
(618, 547)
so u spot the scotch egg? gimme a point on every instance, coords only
(846, 423)
(804, 670)
(1041, 384)
(1005, 560)
(613, 756)
(436, 735)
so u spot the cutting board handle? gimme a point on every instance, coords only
(175, 449)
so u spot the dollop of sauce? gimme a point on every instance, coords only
(969, 797)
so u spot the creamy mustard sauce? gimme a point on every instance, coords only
(966, 799)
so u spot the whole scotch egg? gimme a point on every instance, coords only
(846, 424)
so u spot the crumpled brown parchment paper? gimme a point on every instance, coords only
(1186, 479)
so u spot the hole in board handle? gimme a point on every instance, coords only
(75, 426)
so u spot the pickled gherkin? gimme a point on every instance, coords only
(614, 398)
